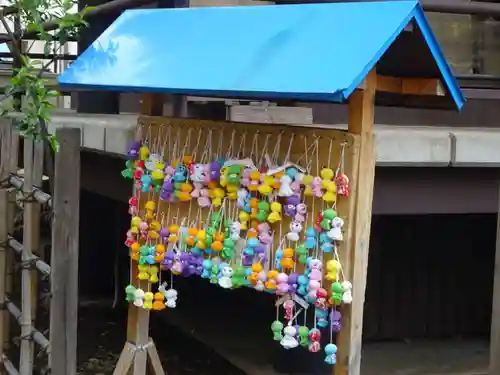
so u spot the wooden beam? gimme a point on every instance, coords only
(410, 86)
(138, 346)
(495, 309)
(361, 117)
(64, 258)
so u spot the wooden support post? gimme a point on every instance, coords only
(495, 308)
(138, 346)
(361, 117)
(64, 258)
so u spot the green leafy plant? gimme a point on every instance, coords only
(27, 98)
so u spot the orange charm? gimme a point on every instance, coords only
(217, 246)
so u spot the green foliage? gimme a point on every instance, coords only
(27, 94)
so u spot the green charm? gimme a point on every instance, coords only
(329, 214)
(215, 273)
(130, 293)
(239, 277)
(304, 336)
(277, 327)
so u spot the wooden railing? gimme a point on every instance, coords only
(60, 346)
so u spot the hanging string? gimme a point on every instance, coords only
(264, 150)
(197, 144)
(231, 145)
(242, 145)
(289, 151)
(254, 145)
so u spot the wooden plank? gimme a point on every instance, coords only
(410, 86)
(155, 359)
(27, 356)
(126, 358)
(138, 323)
(141, 342)
(271, 115)
(64, 258)
(495, 309)
(361, 116)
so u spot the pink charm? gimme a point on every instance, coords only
(314, 347)
(197, 186)
(321, 303)
(316, 187)
(300, 216)
(282, 281)
(170, 171)
(204, 200)
(315, 274)
(288, 305)
(315, 264)
(295, 186)
(342, 182)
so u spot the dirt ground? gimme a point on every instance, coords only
(102, 335)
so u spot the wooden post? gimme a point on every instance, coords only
(361, 118)
(139, 346)
(495, 308)
(64, 258)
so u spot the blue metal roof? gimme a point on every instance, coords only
(318, 52)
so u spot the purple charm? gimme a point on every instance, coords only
(168, 261)
(259, 249)
(133, 150)
(164, 232)
(215, 171)
(246, 261)
(133, 153)
(262, 258)
(335, 317)
(166, 190)
(290, 210)
(293, 200)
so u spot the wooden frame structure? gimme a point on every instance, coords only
(63, 271)
(354, 255)
(271, 81)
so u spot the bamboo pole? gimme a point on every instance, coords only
(4, 233)
(26, 357)
(41, 266)
(39, 195)
(8, 365)
(38, 337)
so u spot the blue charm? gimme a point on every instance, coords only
(146, 182)
(331, 354)
(278, 257)
(207, 268)
(180, 174)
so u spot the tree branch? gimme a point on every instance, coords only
(14, 45)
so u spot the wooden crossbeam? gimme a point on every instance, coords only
(407, 86)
